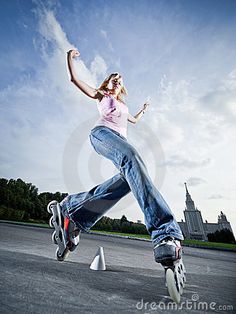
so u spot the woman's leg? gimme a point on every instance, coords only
(85, 209)
(159, 219)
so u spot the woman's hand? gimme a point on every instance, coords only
(73, 53)
(145, 107)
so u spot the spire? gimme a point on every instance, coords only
(186, 188)
(189, 202)
(222, 217)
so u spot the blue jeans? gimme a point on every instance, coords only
(86, 208)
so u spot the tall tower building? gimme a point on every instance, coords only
(195, 228)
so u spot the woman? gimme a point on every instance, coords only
(108, 138)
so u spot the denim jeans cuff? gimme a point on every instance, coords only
(177, 236)
(78, 224)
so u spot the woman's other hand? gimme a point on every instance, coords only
(145, 106)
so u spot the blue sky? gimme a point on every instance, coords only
(179, 54)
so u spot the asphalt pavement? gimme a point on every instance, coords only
(33, 281)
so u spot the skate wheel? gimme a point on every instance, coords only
(49, 209)
(181, 288)
(50, 222)
(54, 240)
(62, 257)
(184, 280)
(171, 286)
(182, 274)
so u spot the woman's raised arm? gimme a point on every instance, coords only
(136, 118)
(85, 88)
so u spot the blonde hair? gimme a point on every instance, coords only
(103, 87)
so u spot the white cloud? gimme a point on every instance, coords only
(98, 67)
(221, 101)
(183, 122)
(194, 181)
(103, 33)
(51, 30)
(215, 197)
(183, 162)
(44, 112)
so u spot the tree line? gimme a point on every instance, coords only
(223, 236)
(20, 201)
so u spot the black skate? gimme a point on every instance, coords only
(168, 253)
(66, 234)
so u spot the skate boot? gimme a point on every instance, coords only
(168, 252)
(66, 234)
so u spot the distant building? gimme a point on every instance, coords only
(194, 227)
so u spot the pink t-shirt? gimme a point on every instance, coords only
(113, 114)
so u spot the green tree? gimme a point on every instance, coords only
(222, 236)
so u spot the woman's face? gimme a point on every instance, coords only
(115, 84)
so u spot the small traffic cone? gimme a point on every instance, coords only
(98, 262)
